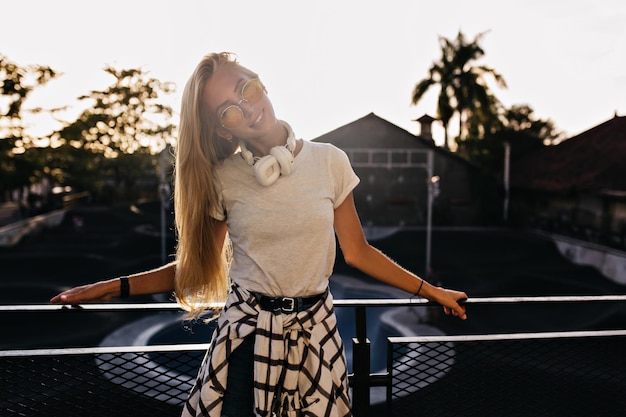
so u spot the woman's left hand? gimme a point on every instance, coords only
(451, 300)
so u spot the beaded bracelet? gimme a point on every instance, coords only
(124, 287)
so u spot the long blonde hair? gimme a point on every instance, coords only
(202, 266)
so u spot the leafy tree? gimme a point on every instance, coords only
(114, 141)
(520, 118)
(520, 129)
(462, 86)
(16, 85)
(122, 130)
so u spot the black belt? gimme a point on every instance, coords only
(287, 304)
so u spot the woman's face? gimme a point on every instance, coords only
(224, 89)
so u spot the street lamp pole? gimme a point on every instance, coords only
(433, 192)
(507, 159)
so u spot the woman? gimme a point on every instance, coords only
(274, 208)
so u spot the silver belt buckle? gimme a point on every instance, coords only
(292, 305)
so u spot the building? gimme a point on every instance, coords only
(395, 174)
(577, 187)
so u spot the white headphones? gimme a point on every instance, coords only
(279, 162)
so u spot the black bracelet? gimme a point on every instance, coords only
(124, 287)
(420, 287)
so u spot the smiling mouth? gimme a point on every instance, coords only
(258, 119)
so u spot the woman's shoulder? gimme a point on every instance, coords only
(324, 147)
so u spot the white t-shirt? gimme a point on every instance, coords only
(282, 235)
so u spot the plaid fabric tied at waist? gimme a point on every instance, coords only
(299, 359)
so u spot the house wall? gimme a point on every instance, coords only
(391, 197)
(398, 196)
(577, 186)
(392, 165)
(594, 218)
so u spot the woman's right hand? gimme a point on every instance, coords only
(97, 292)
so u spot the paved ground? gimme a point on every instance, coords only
(9, 212)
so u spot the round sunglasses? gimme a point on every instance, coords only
(251, 92)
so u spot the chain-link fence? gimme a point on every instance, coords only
(572, 373)
(551, 374)
(149, 381)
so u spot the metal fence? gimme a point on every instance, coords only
(572, 373)
(124, 381)
(551, 374)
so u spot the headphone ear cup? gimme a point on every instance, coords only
(267, 170)
(285, 159)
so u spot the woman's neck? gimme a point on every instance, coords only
(276, 137)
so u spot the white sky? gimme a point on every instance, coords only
(327, 63)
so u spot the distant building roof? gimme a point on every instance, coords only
(372, 131)
(593, 161)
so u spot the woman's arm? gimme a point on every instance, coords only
(154, 281)
(360, 254)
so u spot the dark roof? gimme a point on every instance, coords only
(372, 131)
(593, 161)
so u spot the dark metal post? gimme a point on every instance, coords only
(361, 365)
(389, 375)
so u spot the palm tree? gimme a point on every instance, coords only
(463, 89)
